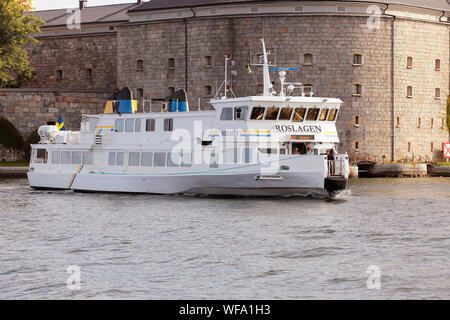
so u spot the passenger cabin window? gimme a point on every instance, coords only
(299, 114)
(137, 125)
(240, 113)
(129, 125)
(257, 113)
(147, 159)
(312, 114)
(285, 114)
(134, 159)
(323, 114)
(168, 124)
(56, 157)
(118, 125)
(76, 157)
(88, 157)
(332, 115)
(173, 159)
(65, 157)
(186, 159)
(41, 156)
(227, 114)
(149, 125)
(160, 159)
(120, 157)
(272, 113)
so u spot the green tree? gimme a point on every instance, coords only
(16, 29)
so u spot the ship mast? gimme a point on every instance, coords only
(267, 83)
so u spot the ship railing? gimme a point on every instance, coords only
(336, 167)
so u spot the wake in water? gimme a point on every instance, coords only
(343, 195)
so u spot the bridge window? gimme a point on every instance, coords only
(285, 114)
(150, 125)
(227, 114)
(118, 125)
(186, 159)
(299, 114)
(257, 113)
(147, 159)
(76, 157)
(272, 113)
(323, 114)
(332, 115)
(312, 114)
(129, 125)
(173, 159)
(56, 157)
(240, 113)
(160, 159)
(134, 159)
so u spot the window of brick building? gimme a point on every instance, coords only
(171, 63)
(431, 146)
(299, 8)
(357, 59)
(357, 89)
(409, 146)
(207, 60)
(432, 122)
(419, 122)
(356, 145)
(409, 62)
(356, 121)
(308, 89)
(308, 59)
(409, 92)
(59, 74)
(88, 73)
(437, 93)
(437, 65)
(140, 65)
(207, 91)
(140, 93)
(397, 123)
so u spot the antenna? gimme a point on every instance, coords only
(226, 86)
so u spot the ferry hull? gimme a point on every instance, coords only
(283, 184)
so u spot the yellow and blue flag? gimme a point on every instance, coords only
(249, 69)
(60, 124)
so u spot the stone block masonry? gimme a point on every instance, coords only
(28, 109)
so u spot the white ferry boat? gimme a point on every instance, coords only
(264, 145)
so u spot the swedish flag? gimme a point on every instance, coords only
(60, 124)
(249, 69)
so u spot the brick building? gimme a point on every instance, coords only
(388, 60)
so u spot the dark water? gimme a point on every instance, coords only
(177, 247)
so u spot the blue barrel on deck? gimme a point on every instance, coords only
(125, 106)
(177, 106)
(182, 106)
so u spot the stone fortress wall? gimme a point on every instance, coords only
(381, 118)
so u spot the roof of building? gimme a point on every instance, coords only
(97, 14)
(164, 4)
